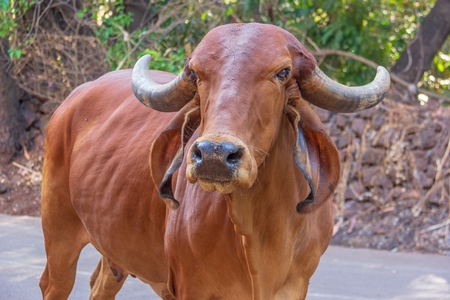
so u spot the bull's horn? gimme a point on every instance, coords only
(163, 97)
(322, 91)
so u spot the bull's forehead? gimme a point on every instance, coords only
(242, 46)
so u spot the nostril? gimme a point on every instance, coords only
(197, 155)
(232, 154)
(234, 157)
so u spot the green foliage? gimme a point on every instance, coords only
(168, 44)
(111, 32)
(377, 30)
(10, 13)
(14, 9)
(14, 53)
(171, 61)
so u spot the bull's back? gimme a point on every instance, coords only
(96, 162)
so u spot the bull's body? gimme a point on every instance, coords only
(247, 242)
(120, 211)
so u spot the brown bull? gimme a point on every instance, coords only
(245, 169)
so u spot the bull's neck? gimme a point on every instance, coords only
(265, 215)
(280, 185)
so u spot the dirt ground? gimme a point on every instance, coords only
(365, 216)
(20, 185)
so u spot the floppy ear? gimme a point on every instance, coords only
(167, 151)
(314, 154)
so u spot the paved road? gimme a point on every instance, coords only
(344, 274)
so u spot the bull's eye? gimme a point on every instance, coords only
(283, 74)
(193, 75)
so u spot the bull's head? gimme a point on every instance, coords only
(237, 86)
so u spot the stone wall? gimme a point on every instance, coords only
(395, 169)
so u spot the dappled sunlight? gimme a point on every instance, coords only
(427, 287)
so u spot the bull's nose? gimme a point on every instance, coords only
(226, 153)
(216, 161)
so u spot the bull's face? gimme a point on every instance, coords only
(242, 75)
(242, 80)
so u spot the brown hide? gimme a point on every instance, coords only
(244, 236)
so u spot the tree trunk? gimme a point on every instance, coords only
(430, 36)
(12, 129)
(141, 13)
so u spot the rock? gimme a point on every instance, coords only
(39, 142)
(28, 114)
(437, 127)
(425, 181)
(35, 101)
(343, 154)
(391, 172)
(447, 162)
(371, 176)
(368, 113)
(413, 194)
(49, 107)
(422, 159)
(354, 190)
(43, 123)
(436, 199)
(341, 121)
(334, 130)
(358, 126)
(425, 139)
(385, 139)
(373, 156)
(350, 209)
(397, 192)
(385, 183)
(431, 171)
(380, 195)
(343, 141)
(3, 188)
(378, 121)
(380, 229)
(324, 115)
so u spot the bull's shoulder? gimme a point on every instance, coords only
(101, 98)
(104, 110)
(108, 91)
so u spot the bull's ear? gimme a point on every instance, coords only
(315, 155)
(167, 151)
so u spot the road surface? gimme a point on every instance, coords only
(343, 274)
